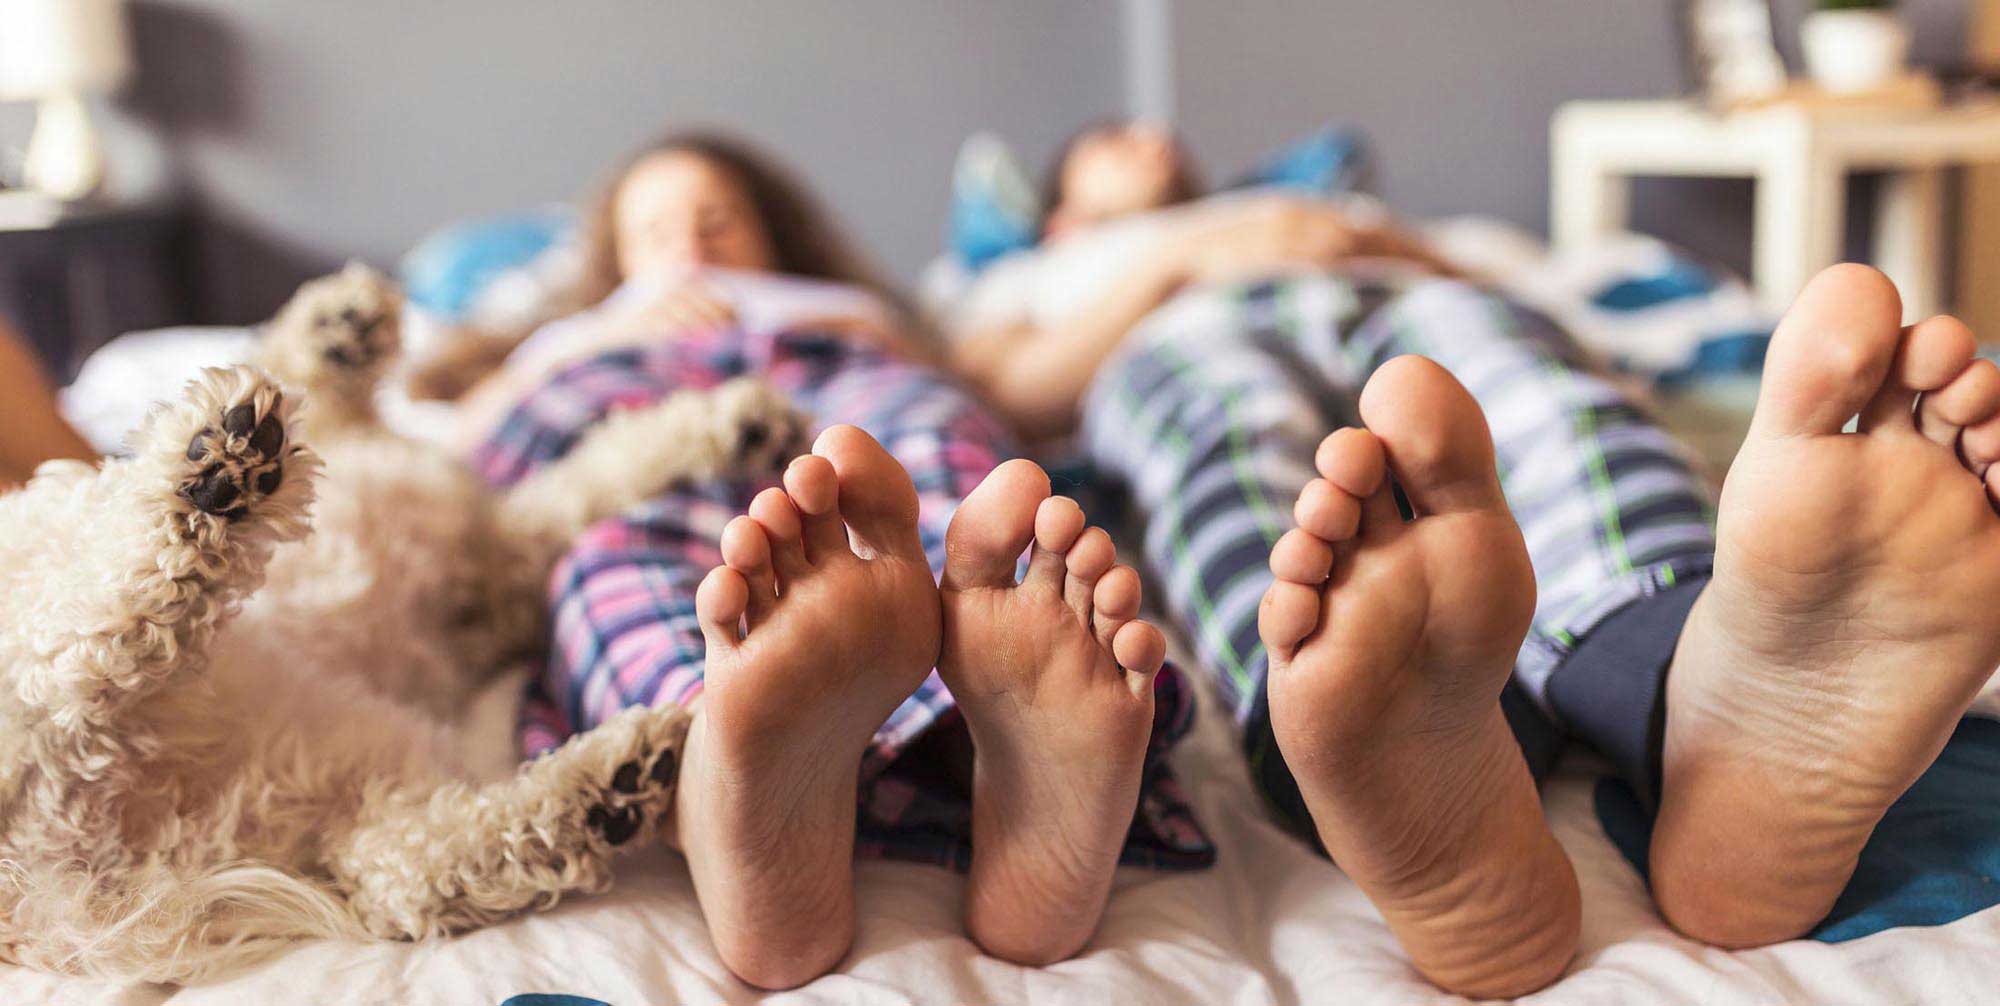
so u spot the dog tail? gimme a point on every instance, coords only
(161, 925)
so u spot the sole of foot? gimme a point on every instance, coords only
(1390, 642)
(822, 620)
(1849, 622)
(1054, 674)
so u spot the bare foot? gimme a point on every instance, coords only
(1390, 642)
(1055, 678)
(1849, 623)
(840, 631)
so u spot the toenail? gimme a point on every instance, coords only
(198, 446)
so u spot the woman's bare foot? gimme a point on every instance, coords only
(840, 631)
(1850, 620)
(1055, 678)
(1390, 642)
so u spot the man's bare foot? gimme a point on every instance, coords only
(1055, 678)
(1849, 622)
(840, 631)
(1390, 642)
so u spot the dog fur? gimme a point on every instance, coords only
(219, 732)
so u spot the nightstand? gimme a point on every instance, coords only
(93, 272)
(1800, 157)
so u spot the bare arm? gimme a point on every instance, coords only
(1036, 377)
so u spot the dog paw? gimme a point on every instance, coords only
(636, 788)
(760, 428)
(237, 455)
(339, 327)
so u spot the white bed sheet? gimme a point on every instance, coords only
(1271, 923)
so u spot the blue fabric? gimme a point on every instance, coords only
(1679, 280)
(1326, 163)
(995, 210)
(1933, 860)
(446, 271)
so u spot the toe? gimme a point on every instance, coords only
(993, 526)
(1434, 436)
(784, 532)
(1830, 354)
(1930, 355)
(815, 491)
(1980, 445)
(1301, 557)
(1058, 523)
(1089, 559)
(1114, 602)
(719, 605)
(1326, 511)
(1289, 613)
(747, 550)
(877, 499)
(1969, 399)
(1352, 459)
(1140, 649)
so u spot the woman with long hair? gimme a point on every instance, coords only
(1004, 722)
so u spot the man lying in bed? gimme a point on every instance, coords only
(1509, 539)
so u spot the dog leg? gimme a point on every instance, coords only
(743, 428)
(146, 557)
(334, 340)
(422, 864)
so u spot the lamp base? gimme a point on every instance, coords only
(64, 157)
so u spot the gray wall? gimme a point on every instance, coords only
(1455, 95)
(309, 131)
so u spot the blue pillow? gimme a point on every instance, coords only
(995, 210)
(1325, 163)
(994, 207)
(446, 271)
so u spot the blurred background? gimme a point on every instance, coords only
(271, 139)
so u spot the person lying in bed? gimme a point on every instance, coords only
(1505, 537)
(806, 641)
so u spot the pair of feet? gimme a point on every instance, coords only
(823, 619)
(1847, 627)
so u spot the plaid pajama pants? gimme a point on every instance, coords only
(624, 629)
(1210, 415)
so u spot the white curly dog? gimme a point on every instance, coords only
(218, 732)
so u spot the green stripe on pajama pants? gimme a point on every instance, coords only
(1211, 412)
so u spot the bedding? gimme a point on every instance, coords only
(1271, 922)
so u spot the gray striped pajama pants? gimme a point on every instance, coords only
(1209, 417)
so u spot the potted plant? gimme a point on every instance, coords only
(1854, 45)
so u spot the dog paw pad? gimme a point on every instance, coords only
(616, 825)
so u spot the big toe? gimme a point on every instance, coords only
(1831, 354)
(877, 499)
(1435, 437)
(994, 526)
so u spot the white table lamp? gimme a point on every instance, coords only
(59, 53)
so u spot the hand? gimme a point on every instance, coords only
(686, 307)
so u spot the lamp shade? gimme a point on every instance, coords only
(50, 47)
